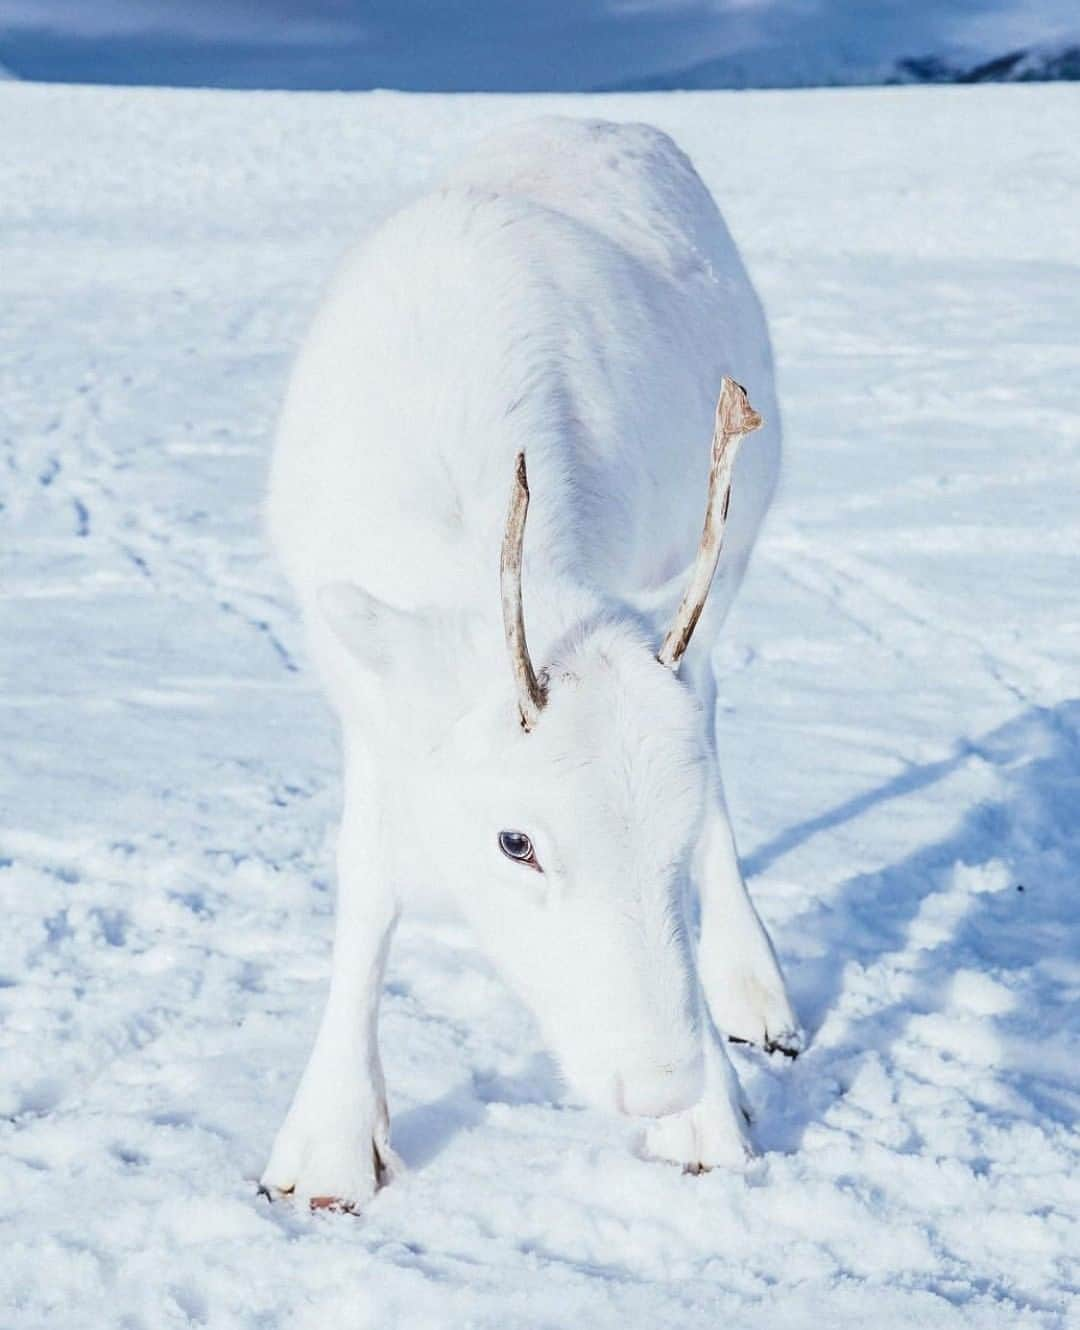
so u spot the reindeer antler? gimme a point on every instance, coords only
(530, 691)
(735, 418)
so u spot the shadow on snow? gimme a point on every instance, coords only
(997, 898)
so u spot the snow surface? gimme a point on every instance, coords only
(899, 716)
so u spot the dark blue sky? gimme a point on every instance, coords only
(503, 44)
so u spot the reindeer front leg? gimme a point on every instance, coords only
(334, 1147)
(740, 974)
(739, 970)
(715, 1132)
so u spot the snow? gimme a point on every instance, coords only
(900, 729)
(525, 45)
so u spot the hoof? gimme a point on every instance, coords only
(332, 1203)
(331, 1168)
(788, 1043)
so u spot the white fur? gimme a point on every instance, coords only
(572, 292)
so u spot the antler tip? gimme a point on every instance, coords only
(734, 414)
(521, 476)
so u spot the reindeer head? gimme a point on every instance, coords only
(565, 823)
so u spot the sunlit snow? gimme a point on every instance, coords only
(899, 719)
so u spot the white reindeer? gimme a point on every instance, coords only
(571, 299)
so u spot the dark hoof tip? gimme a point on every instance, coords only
(789, 1051)
(333, 1204)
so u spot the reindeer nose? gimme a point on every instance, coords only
(655, 1091)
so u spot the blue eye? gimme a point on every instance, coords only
(517, 846)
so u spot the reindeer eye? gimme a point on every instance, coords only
(517, 846)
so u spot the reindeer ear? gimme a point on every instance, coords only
(376, 634)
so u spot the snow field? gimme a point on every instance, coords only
(899, 719)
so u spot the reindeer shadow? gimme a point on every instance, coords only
(1009, 912)
(422, 1133)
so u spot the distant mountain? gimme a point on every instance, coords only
(794, 68)
(761, 68)
(1036, 64)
